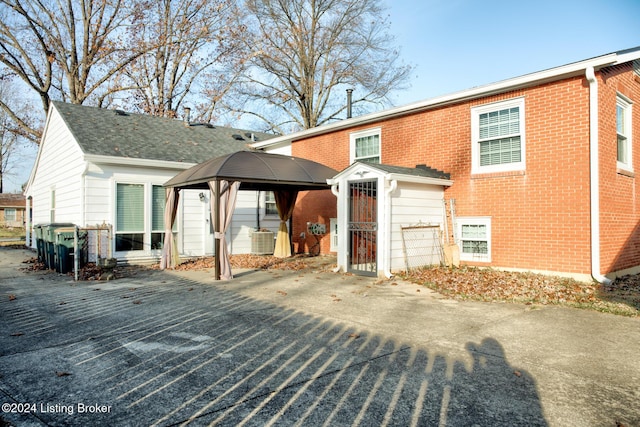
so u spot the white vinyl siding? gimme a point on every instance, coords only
(623, 131)
(365, 146)
(498, 142)
(474, 238)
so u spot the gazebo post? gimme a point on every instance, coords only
(216, 229)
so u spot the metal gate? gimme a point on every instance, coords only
(363, 228)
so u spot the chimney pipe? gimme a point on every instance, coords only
(349, 101)
(187, 116)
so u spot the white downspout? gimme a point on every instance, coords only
(341, 230)
(594, 177)
(387, 252)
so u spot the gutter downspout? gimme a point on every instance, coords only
(387, 253)
(594, 177)
(336, 192)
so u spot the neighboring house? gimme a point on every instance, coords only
(12, 210)
(541, 170)
(99, 166)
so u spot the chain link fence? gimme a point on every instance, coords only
(422, 245)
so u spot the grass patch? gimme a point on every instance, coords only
(479, 284)
(12, 233)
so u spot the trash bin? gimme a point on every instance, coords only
(65, 250)
(49, 242)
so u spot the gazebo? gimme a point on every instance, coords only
(243, 170)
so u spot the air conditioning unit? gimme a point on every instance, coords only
(262, 243)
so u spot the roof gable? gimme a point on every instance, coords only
(114, 133)
(421, 173)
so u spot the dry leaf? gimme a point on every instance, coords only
(62, 373)
(137, 301)
(12, 297)
(354, 336)
(283, 293)
(17, 334)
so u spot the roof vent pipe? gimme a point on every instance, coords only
(187, 116)
(349, 101)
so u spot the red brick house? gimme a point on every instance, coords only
(542, 168)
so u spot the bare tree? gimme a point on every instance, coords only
(70, 50)
(196, 40)
(304, 53)
(11, 138)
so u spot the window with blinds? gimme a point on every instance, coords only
(623, 131)
(129, 217)
(475, 238)
(365, 146)
(498, 136)
(158, 201)
(270, 207)
(368, 149)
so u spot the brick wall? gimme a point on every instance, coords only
(619, 203)
(541, 216)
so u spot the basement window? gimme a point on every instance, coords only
(474, 235)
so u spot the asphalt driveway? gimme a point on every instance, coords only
(300, 348)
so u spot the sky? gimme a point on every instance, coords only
(455, 45)
(459, 44)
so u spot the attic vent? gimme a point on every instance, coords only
(636, 67)
(237, 137)
(250, 135)
(121, 113)
(209, 125)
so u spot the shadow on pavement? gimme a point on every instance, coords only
(161, 350)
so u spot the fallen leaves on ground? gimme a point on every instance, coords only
(262, 262)
(623, 297)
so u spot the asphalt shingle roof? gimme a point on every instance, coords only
(419, 170)
(11, 200)
(116, 133)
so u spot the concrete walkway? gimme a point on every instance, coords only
(301, 348)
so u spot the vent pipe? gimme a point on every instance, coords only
(187, 116)
(349, 101)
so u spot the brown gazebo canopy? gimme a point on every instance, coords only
(243, 170)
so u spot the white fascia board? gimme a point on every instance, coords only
(129, 161)
(541, 77)
(418, 179)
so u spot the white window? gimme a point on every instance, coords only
(129, 217)
(497, 137)
(474, 234)
(270, 207)
(333, 233)
(52, 206)
(623, 130)
(10, 214)
(158, 202)
(365, 146)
